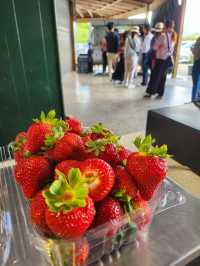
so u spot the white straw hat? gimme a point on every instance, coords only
(158, 27)
(136, 29)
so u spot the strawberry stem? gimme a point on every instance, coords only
(67, 192)
(148, 147)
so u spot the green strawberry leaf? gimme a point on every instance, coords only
(67, 192)
(96, 146)
(125, 199)
(42, 117)
(147, 147)
(51, 114)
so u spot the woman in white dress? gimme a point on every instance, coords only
(131, 55)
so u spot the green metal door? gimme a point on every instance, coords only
(29, 67)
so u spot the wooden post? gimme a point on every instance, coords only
(147, 13)
(178, 46)
(72, 16)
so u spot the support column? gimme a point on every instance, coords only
(178, 46)
(72, 17)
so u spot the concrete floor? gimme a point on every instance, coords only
(95, 99)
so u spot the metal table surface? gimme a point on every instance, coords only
(174, 236)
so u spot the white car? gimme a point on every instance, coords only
(185, 52)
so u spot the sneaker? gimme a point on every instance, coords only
(147, 95)
(159, 97)
(143, 84)
(126, 84)
(131, 86)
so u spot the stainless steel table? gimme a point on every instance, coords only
(174, 237)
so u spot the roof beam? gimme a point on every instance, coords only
(79, 12)
(115, 2)
(137, 11)
(90, 13)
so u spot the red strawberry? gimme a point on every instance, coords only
(36, 136)
(70, 211)
(32, 173)
(21, 137)
(103, 149)
(86, 138)
(82, 251)
(142, 217)
(98, 131)
(74, 125)
(37, 212)
(110, 154)
(18, 146)
(109, 210)
(69, 146)
(99, 176)
(123, 154)
(44, 132)
(86, 154)
(19, 155)
(147, 167)
(65, 166)
(124, 181)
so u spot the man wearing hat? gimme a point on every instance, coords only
(159, 27)
(131, 53)
(163, 47)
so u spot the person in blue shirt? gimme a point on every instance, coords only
(196, 71)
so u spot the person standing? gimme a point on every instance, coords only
(146, 48)
(158, 29)
(118, 75)
(112, 41)
(196, 71)
(90, 58)
(164, 47)
(103, 45)
(131, 54)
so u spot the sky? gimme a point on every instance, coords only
(192, 17)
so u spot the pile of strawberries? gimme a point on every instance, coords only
(77, 179)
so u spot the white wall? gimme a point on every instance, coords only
(62, 16)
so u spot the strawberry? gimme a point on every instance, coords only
(109, 154)
(108, 210)
(147, 167)
(19, 155)
(99, 176)
(104, 149)
(123, 154)
(82, 251)
(142, 217)
(43, 133)
(37, 212)
(32, 174)
(65, 166)
(87, 137)
(70, 211)
(69, 146)
(18, 146)
(125, 182)
(74, 125)
(98, 131)
(21, 137)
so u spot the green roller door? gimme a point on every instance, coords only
(29, 69)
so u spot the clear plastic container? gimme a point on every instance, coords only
(21, 244)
